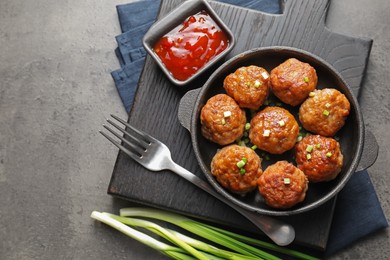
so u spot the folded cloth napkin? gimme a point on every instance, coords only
(358, 211)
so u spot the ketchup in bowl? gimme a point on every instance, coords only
(188, 47)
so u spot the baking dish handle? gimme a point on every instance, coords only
(370, 151)
(186, 108)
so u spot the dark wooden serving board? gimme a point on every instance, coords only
(301, 25)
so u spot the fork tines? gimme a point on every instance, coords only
(137, 141)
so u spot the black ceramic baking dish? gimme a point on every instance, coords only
(353, 139)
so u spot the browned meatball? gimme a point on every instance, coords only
(222, 120)
(293, 80)
(237, 168)
(274, 130)
(324, 112)
(283, 185)
(249, 86)
(319, 158)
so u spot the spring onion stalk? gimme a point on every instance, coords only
(181, 240)
(264, 244)
(178, 256)
(141, 237)
(152, 213)
(198, 229)
(209, 248)
(160, 231)
(212, 253)
(242, 245)
(231, 243)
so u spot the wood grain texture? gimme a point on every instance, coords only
(301, 25)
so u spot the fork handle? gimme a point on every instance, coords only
(281, 233)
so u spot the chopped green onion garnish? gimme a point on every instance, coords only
(227, 113)
(299, 138)
(308, 156)
(265, 75)
(248, 84)
(309, 148)
(245, 160)
(266, 133)
(286, 180)
(281, 123)
(329, 154)
(242, 171)
(311, 94)
(326, 113)
(223, 121)
(246, 140)
(306, 79)
(254, 147)
(247, 126)
(257, 84)
(240, 164)
(318, 146)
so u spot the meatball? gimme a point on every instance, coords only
(237, 168)
(324, 112)
(282, 185)
(274, 130)
(319, 158)
(249, 86)
(292, 81)
(222, 120)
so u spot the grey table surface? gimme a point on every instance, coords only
(55, 93)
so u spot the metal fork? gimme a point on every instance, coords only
(155, 156)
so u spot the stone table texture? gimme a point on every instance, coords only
(55, 93)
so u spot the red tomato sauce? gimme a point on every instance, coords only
(189, 46)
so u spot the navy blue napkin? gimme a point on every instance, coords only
(358, 211)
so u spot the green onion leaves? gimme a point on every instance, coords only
(326, 112)
(184, 247)
(309, 148)
(240, 164)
